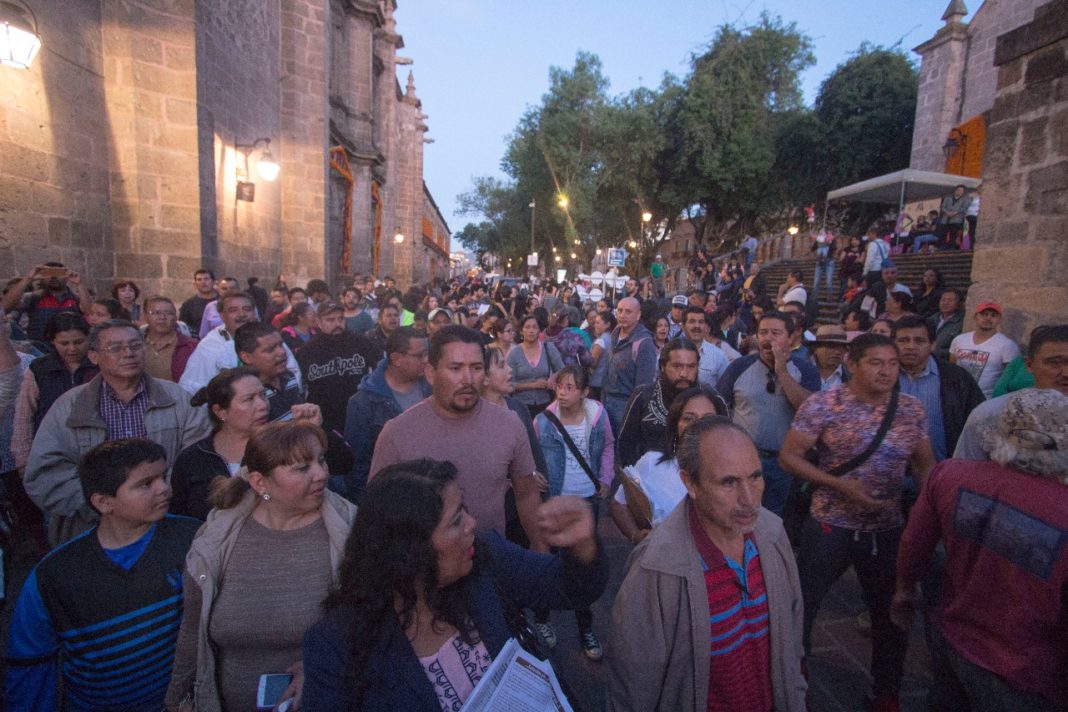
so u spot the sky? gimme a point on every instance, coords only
(479, 64)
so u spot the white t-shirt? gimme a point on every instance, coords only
(984, 361)
(795, 294)
(711, 364)
(576, 481)
(659, 480)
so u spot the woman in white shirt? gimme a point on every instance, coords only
(657, 472)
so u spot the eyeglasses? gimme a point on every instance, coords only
(116, 349)
(770, 387)
(160, 312)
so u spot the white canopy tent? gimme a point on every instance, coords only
(902, 187)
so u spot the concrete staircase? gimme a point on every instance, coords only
(956, 268)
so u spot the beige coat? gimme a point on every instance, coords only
(73, 426)
(660, 647)
(193, 676)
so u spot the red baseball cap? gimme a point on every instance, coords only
(983, 306)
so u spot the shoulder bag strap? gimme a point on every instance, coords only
(880, 434)
(573, 448)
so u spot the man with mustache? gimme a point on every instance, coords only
(645, 420)
(260, 347)
(121, 402)
(487, 442)
(763, 389)
(709, 614)
(54, 296)
(855, 517)
(216, 350)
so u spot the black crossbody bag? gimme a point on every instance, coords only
(800, 499)
(597, 486)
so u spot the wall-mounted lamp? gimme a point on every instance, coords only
(266, 167)
(398, 238)
(955, 140)
(19, 39)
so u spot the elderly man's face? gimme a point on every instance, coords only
(1050, 366)
(726, 493)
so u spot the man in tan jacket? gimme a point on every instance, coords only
(710, 611)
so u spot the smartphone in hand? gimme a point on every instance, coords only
(272, 685)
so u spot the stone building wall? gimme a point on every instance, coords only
(432, 257)
(118, 148)
(239, 95)
(303, 156)
(957, 75)
(1021, 259)
(55, 149)
(98, 143)
(149, 52)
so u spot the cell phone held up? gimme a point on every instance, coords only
(272, 685)
(51, 272)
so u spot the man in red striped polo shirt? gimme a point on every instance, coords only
(709, 616)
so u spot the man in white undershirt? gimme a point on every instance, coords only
(984, 352)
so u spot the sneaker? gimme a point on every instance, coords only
(883, 703)
(591, 646)
(545, 630)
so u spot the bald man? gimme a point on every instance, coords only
(631, 360)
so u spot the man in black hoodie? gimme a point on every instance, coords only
(333, 363)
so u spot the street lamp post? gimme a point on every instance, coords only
(645, 218)
(533, 204)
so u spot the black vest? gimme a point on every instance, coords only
(53, 380)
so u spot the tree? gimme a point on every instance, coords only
(722, 150)
(866, 109)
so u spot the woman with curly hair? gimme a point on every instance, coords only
(126, 292)
(418, 612)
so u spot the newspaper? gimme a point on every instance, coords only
(516, 681)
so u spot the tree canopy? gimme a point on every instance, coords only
(730, 147)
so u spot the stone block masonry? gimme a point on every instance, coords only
(119, 147)
(1021, 257)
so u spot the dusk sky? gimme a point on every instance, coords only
(479, 64)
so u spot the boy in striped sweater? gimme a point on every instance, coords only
(103, 609)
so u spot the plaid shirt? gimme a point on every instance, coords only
(124, 420)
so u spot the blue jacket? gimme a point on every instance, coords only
(631, 363)
(395, 679)
(601, 446)
(369, 409)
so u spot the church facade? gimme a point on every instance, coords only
(133, 146)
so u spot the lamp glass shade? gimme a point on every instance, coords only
(398, 238)
(19, 41)
(266, 166)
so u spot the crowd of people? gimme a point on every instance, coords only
(369, 491)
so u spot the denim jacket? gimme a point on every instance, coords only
(601, 445)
